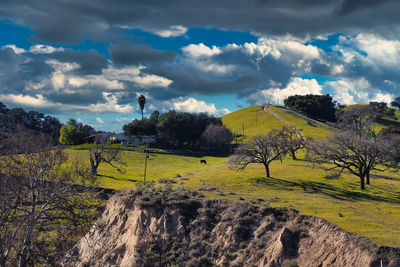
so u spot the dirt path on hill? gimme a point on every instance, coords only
(291, 126)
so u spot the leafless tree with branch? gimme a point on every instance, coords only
(356, 153)
(99, 153)
(292, 138)
(42, 197)
(259, 149)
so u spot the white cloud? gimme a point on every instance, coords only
(44, 49)
(133, 74)
(337, 69)
(99, 120)
(357, 91)
(173, 31)
(199, 55)
(16, 50)
(196, 106)
(382, 97)
(370, 50)
(297, 86)
(379, 50)
(200, 50)
(62, 66)
(282, 47)
(101, 81)
(39, 101)
(150, 80)
(122, 74)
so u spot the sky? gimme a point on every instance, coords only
(90, 60)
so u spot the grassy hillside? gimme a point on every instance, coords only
(374, 212)
(257, 121)
(383, 122)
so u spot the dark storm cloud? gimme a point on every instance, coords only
(138, 54)
(82, 96)
(91, 62)
(16, 71)
(187, 80)
(69, 21)
(350, 6)
(29, 74)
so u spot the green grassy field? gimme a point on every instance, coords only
(257, 121)
(374, 212)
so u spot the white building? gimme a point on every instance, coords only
(133, 140)
(99, 138)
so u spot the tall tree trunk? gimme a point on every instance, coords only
(367, 178)
(362, 185)
(94, 164)
(93, 168)
(27, 242)
(293, 154)
(267, 170)
(142, 114)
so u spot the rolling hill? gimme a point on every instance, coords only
(261, 119)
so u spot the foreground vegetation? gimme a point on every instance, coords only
(373, 212)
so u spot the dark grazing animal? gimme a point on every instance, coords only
(203, 161)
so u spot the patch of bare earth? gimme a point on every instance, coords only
(136, 230)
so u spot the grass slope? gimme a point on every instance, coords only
(257, 121)
(374, 212)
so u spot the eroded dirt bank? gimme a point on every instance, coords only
(164, 229)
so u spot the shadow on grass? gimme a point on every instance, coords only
(118, 179)
(324, 189)
(388, 122)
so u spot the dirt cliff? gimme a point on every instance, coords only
(176, 229)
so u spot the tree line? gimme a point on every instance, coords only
(324, 108)
(32, 121)
(75, 133)
(182, 130)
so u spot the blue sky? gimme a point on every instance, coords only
(90, 61)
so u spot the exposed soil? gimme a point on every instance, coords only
(136, 230)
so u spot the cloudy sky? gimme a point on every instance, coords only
(89, 60)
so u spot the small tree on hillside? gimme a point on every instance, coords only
(359, 154)
(259, 149)
(396, 103)
(357, 119)
(382, 110)
(292, 138)
(99, 153)
(141, 102)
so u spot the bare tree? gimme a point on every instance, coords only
(293, 139)
(99, 153)
(357, 119)
(355, 153)
(259, 149)
(217, 136)
(39, 191)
